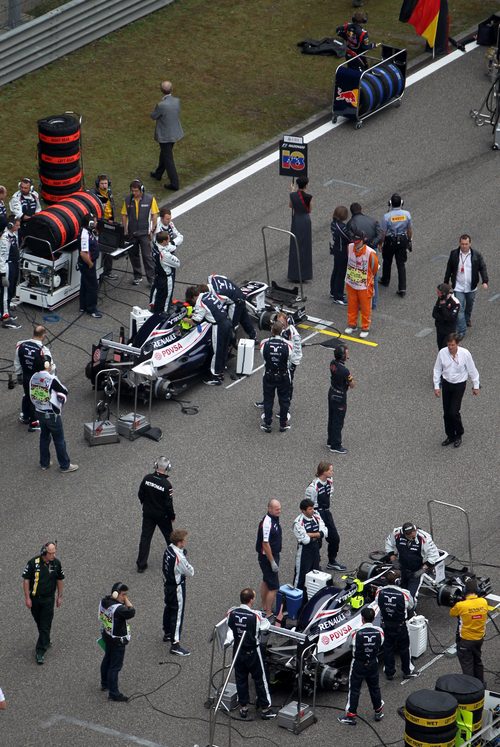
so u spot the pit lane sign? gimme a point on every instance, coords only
(293, 156)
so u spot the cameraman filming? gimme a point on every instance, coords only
(473, 614)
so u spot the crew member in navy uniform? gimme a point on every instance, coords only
(366, 645)
(208, 308)
(42, 578)
(165, 263)
(357, 41)
(309, 529)
(48, 396)
(3, 208)
(340, 381)
(396, 607)
(231, 294)
(103, 193)
(397, 233)
(89, 253)
(9, 271)
(175, 569)
(244, 620)
(25, 202)
(155, 495)
(115, 610)
(165, 223)
(445, 313)
(416, 553)
(320, 492)
(291, 335)
(31, 356)
(276, 352)
(268, 547)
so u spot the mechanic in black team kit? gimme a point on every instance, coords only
(208, 308)
(229, 293)
(155, 495)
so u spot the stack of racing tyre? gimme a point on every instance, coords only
(60, 224)
(59, 156)
(430, 719)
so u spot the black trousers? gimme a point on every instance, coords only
(336, 417)
(111, 665)
(281, 387)
(307, 559)
(469, 656)
(141, 245)
(396, 638)
(333, 535)
(149, 525)
(241, 316)
(161, 294)
(88, 288)
(358, 673)
(166, 163)
(410, 581)
(442, 335)
(337, 279)
(249, 662)
(452, 395)
(392, 250)
(42, 609)
(173, 613)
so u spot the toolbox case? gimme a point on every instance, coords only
(244, 361)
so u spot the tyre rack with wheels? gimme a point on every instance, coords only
(358, 94)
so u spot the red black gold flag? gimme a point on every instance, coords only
(423, 15)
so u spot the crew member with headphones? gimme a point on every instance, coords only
(139, 217)
(103, 193)
(31, 356)
(89, 253)
(340, 381)
(397, 232)
(356, 39)
(42, 577)
(155, 495)
(25, 202)
(9, 270)
(115, 610)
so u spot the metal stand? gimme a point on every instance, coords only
(133, 424)
(223, 696)
(433, 501)
(489, 112)
(101, 430)
(297, 715)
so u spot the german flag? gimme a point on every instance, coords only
(423, 15)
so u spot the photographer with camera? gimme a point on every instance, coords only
(472, 612)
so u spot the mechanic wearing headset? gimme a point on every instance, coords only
(89, 253)
(115, 610)
(25, 202)
(356, 39)
(320, 491)
(103, 193)
(416, 552)
(309, 529)
(31, 356)
(139, 216)
(473, 614)
(9, 270)
(155, 495)
(396, 607)
(289, 333)
(340, 381)
(42, 577)
(208, 308)
(396, 238)
(166, 263)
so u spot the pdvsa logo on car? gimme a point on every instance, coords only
(168, 352)
(334, 638)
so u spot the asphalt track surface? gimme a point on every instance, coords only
(225, 468)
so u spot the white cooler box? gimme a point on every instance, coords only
(244, 362)
(417, 630)
(316, 580)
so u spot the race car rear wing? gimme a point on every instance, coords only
(120, 346)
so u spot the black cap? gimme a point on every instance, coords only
(408, 526)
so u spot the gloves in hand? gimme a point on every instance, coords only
(274, 566)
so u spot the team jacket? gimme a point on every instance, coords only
(31, 356)
(175, 566)
(276, 353)
(269, 531)
(176, 237)
(366, 643)
(473, 614)
(302, 526)
(164, 259)
(340, 379)
(225, 290)
(356, 39)
(291, 334)
(320, 492)
(9, 250)
(209, 308)
(445, 314)
(394, 603)
(21, 205)
(43, 577)
(412, 553)
(155, 495)
(244, 619)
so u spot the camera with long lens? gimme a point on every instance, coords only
(449, 594)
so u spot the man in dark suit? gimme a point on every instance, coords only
(168, 131)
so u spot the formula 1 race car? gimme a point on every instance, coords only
(165, 353)
(318, 644)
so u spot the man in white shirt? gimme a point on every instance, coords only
(452, 368)
(464, 267)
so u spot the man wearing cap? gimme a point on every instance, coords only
(397, 232)
(155, 495)
(362, 266)
(115, 610)
(416, 552)
(445, 313)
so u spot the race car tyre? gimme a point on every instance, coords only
(429, 715)
(422, 739)
(59, 129)
(469, 692)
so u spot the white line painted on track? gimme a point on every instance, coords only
(56, 718)
(424, 332)
(309, 137)
(494, 298)
(363, 189)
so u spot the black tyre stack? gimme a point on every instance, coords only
(469, 693)
(59, 157)
(60, 224)
(430, 719)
